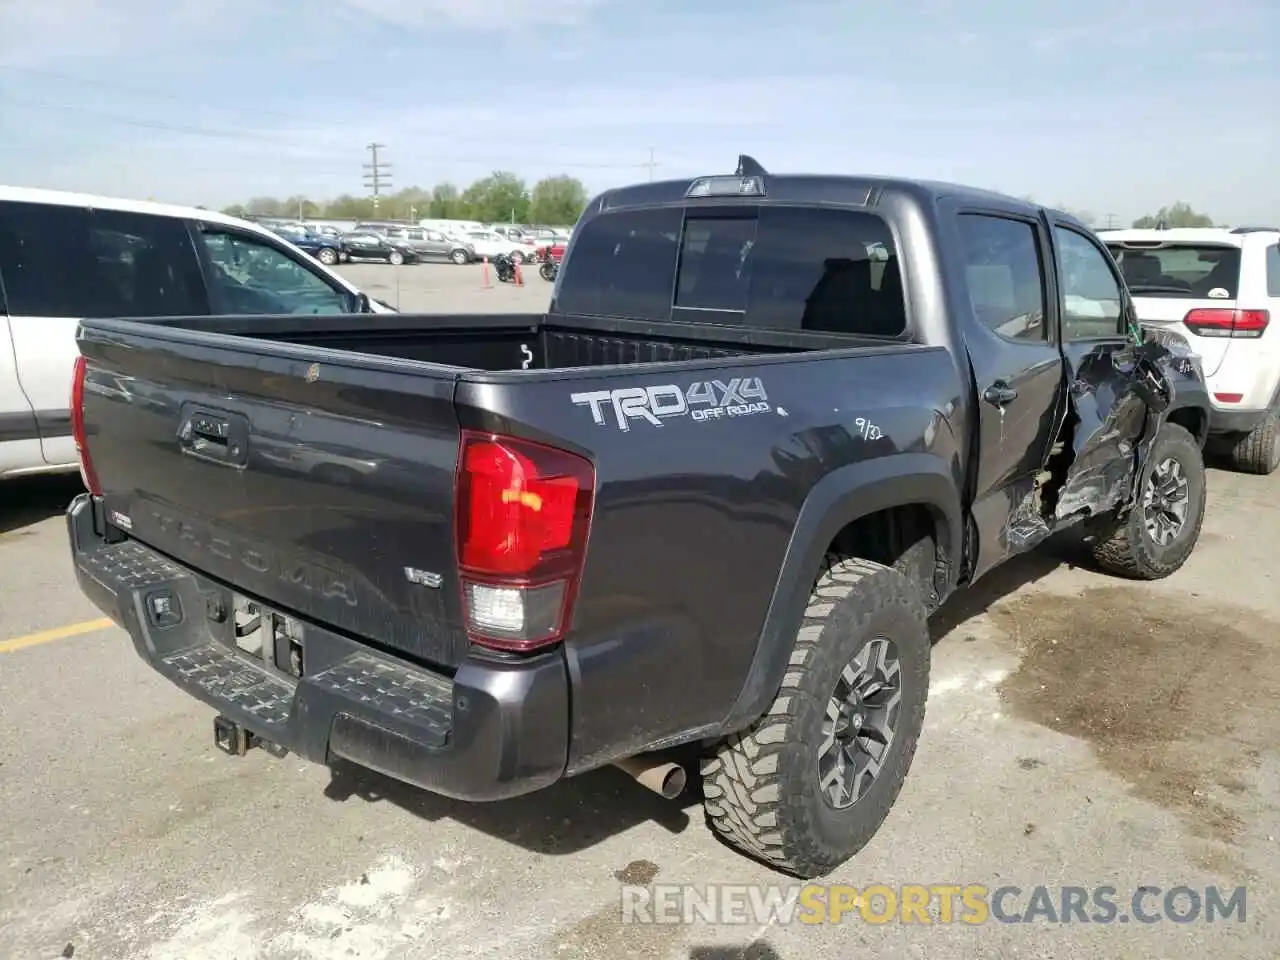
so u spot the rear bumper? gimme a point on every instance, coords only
(489, 732)
(1235, 421)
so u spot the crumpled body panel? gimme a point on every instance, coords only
(1118, 395)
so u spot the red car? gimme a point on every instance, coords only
(554, 250)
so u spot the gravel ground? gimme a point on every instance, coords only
(1082, 731)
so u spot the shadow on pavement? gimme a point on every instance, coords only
(566, 818)
(28, 500)
(759, 950)
(1006, 579)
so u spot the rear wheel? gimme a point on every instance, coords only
(327, 256)
(1258, 451)
(812, 781)
(395, 258)
(459, 257)
(1161, 529)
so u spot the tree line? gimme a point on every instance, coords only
(504, 197)
(1178, 214)
(501, 197)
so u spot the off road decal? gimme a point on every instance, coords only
(700, 401)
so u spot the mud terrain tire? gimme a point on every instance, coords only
(761, 786)
(1129, 550)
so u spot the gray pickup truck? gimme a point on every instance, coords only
(703, 507)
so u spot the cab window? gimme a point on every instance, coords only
(249, 275)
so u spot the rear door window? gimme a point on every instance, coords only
(123, 264)
(1191, 271)
(781, 268)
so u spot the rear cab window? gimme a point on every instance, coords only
(1179, 269)
(789, 268)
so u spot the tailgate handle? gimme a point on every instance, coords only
(216, 436)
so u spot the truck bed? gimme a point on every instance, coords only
(519, 341)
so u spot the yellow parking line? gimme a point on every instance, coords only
(57, 633)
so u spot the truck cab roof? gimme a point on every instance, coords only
(840, 189)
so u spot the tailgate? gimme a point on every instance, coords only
(318, 482)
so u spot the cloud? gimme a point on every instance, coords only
(473, 14)
(33, 34)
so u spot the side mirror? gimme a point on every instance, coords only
(359, 303)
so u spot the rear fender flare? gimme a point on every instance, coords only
(842, 496)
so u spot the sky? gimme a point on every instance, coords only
(1115, 108)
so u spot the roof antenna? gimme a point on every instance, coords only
(749, 167)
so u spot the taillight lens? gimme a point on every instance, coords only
(87, 473)
(1226, 322)
(523, 513)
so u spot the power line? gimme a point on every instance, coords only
(651, 164)
(376, 173)
(255, 112)
(277, 139)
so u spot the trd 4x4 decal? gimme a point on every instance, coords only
(700, 401)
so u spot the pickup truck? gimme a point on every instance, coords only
(699, 511)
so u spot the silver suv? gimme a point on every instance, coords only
(433, 245)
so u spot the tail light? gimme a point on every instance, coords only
(87, 473)
(1226, 322)
(523, 513)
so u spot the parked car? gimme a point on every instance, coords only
(375, 246)
(433, 245)
(67, 256)
(868, 394)
(488, 243)
(328, 249)
(552, 248)
(1218, 290)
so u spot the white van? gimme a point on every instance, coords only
(66, 256)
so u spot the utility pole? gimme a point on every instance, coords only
(651, 164)
(377, 174)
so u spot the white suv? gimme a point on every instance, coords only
(66, 256)
(1218, 289)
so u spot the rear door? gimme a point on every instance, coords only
(19, 438)
(1018, 372)
(1171, 279)
(65, 263)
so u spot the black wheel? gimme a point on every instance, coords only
(459, 257)
(1162, 527)
(547, 271)
(395, 258)
(1258, 451)
(327, 256)
(809, 784)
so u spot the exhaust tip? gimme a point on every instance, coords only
(664, 777)
(673, 783)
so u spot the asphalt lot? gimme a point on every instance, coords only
(1081, 731)
(426, 287)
